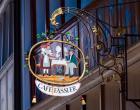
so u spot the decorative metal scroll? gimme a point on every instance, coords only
(103, 44)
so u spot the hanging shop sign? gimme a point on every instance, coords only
(58, 67)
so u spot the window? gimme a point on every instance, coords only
(4, 57)
(11, 30)
(1, 44)
(5, 35)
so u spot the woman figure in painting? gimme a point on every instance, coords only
(46, 52)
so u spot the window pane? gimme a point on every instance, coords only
(1, 44)
(5, 37)
(11, 30)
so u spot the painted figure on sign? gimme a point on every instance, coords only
(46, 52)
(72, 63)
(58, 52)
(58, 57)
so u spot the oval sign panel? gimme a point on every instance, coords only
(57, 63)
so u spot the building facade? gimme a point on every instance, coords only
(105, 95)
(6, 55)
(20, 23)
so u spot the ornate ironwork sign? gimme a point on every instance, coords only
(59, 65)
(55, 65)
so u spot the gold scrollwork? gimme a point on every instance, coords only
(56, 13)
